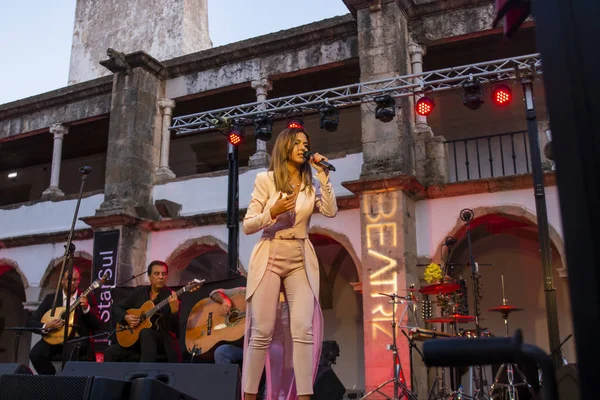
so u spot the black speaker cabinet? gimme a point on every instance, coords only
(48, 387)
(15, 368)
(201, 381)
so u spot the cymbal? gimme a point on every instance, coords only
(461, 319)
(505, 309)
(440, 288)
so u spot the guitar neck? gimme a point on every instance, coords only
(160, 305)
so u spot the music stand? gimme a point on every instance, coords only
(78, 341)
(18, 330)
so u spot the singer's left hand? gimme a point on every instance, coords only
(315, 159)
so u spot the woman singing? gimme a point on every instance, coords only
(282, 203)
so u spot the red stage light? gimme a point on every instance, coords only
(236, 135)
(234, 138)
(502, 95)
(424, 106)
(295, 124)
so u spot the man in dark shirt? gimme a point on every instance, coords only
(165, 323)
(86, 320)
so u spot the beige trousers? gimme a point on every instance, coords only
(286, 265)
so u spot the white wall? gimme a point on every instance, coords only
(209, 194)
(47, 217)
(436, 218)
(33, 260)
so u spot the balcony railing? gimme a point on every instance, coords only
(488, 156)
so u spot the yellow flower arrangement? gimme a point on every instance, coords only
(433, 273)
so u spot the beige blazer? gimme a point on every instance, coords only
(292, 224)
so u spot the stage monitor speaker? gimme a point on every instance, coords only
(202, 381)
(15, 368)
(567, 382)
(328, 386)
(48, 387)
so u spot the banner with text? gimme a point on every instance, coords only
(106, 245)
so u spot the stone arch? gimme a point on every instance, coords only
(14, 265)
(341, 303)
(511, 211)
(342, 240)
(50, 277)
(188, 251)
(12, 311)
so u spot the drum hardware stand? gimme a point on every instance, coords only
(559, 350)
(510, 368)
(409, 300)
(398, 384)
(411, 346)
(467, 215)
(443, 392)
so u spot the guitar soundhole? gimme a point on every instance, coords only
(233, 317)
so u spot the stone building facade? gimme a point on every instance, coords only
(400, 185)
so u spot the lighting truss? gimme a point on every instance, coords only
(514, 68)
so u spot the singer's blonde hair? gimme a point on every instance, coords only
(281, 153)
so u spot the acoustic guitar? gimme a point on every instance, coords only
(56, 336)
(207, 326)
(127, 336)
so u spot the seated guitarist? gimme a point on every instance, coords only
(233, 353)
(86, 320)
(165, 323)
(228, 353)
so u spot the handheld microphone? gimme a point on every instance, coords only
(309, 154)
(85, 170)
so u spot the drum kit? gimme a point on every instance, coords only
(449, 297)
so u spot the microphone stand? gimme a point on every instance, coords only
(18, 330)
(411, 346)
(128, 279)
(467, 215)
(68, 262)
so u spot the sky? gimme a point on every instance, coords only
(35, 35)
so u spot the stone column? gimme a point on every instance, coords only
(417, 52)
(133, 155)
(430, 153)
(545, 138)
(163, 172)
(261, 158)
(382, 47)
(389, 250)
(59, 131)
(387, 211)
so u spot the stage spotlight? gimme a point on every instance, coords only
(386, 108)
(502, 95)
(263, 127)
(424, 106)
(330, 118)
(236, 135)
(473, 98)
(295, 123)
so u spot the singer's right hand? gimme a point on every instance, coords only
(132, 320)
(54, 324)
(283, 205)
